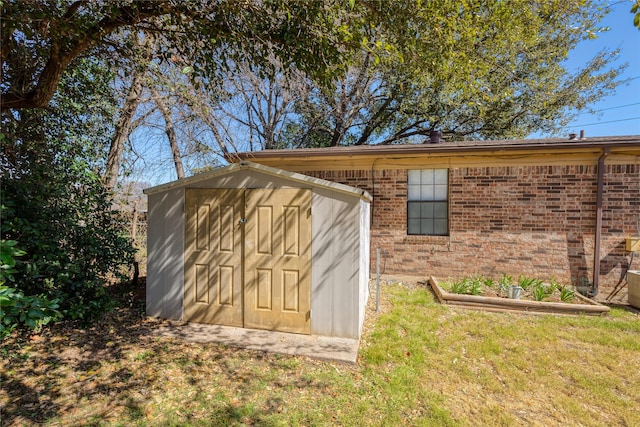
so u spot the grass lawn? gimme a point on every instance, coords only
(420, 363)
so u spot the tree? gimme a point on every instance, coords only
(53, 202)
(253, 107)
(348, 113)
(140, 58)
(41, 38)
(472, 70)
(170, 131)
(635, 9)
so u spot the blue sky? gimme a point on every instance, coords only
(619, 113)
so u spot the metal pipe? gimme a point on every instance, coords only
(377, 280)
(598, 232)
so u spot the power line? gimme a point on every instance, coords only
(619, 106)
(610, 121)
(608, 108)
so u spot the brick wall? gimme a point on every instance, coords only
(532, 220)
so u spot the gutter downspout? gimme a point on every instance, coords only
(598, 231)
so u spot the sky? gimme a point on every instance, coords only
(618, 113)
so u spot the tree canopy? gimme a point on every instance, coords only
(42, 38)
(635, 9)
(474, 70)
(229, 75)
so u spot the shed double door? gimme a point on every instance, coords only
(248, 258)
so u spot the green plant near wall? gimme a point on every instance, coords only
(540, 291)
(505, 281)
(468, 286)
(489, 283)
(476, 285)
(528, 282)
(566, 294)
(459, 286)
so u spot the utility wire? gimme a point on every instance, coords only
(610, 121)
(608, 108)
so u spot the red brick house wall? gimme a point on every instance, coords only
(532, 220)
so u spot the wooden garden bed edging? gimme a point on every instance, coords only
(590, 307)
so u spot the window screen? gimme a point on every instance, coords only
(427, 202)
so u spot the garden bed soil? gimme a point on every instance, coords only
(491, 301)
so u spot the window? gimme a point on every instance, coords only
(427, 202)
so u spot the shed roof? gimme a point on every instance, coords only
(454, 148)
(267, 170)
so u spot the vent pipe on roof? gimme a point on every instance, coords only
(574, 136)
(435, 136)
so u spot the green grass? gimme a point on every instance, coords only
(421, 363)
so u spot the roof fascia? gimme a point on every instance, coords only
(267, 170)
(443, 148)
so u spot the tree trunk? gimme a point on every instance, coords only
(123, 127)
(170, 131)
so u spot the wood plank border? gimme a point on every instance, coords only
(590, 307)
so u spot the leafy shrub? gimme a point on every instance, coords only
(490, 283)
(73, 239)
(53, 200)
(459, 286)
(31, 311)
(15, 308)
(476, 285)
(8, 254)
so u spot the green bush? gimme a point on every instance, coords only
(53, 200)
(8, 254)
(528, 282)
(16, 308)
(31, 311)
(74, 240)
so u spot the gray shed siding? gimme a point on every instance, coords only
(365, 260)
(165, 254)
(336, 281)
(340, 251)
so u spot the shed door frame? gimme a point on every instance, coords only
(257, 262)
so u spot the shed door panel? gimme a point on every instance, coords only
(213, 257)
(278, 260)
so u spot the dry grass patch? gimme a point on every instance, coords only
(420, 363)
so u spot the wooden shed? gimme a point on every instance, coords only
(253, 246)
